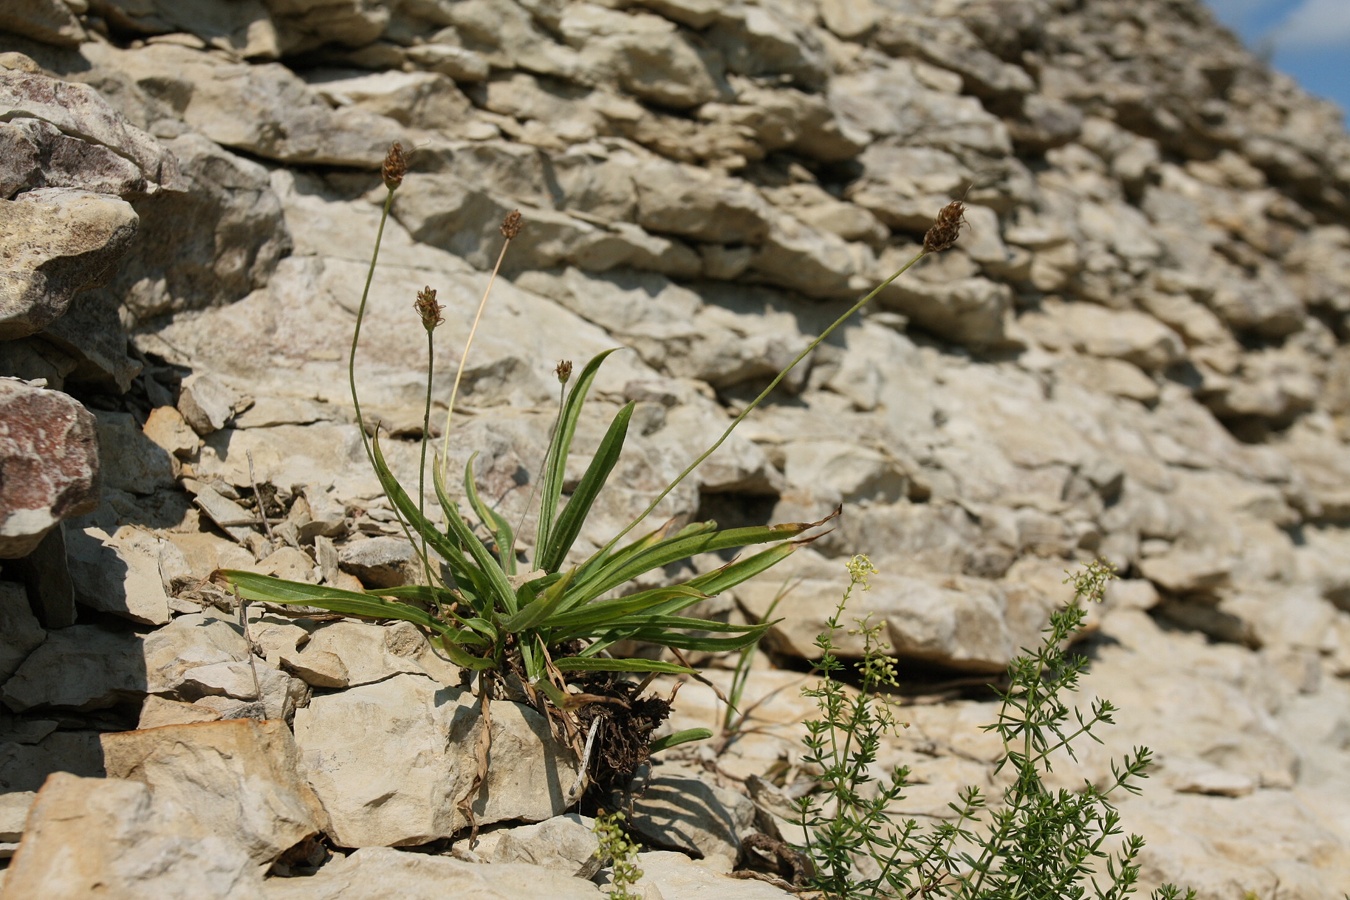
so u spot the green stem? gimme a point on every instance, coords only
(754, 403)
(422, 462)
(356, 332)
(351, 361)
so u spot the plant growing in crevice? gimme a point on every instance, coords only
(533, 629)
(1037, 843)
(616, 846)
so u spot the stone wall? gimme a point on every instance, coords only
(1139, 348)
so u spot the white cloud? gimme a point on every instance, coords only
(1315, 24)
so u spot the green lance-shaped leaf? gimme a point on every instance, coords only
(555, 461)
(465, 574)
(679, 737)
(485, 567)
(602, 558)
(267, 589)
(594, 664)
(493, 521)
(564, 533)
(538, 610)
(465, 660)
(624, 568)
(603, 614)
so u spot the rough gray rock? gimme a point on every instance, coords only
(1136, 350)
(50, 467)
(61, 241)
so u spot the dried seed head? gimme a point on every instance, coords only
(428, 308)
(512, 224)
(563, 371)
(946, 228)
(395, 166)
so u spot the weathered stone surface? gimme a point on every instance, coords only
(276, 116)
(50, 464)
(13, 813)
(372, 871)
(34, 749)
(155, 847)
(197, 655)
(206, 403)
(1108, 333)
(20, 632)
(100, 668)
(48, 21)
(347, 654)
(381, 561)
(211, 243)
(963, 628)
(128, 460)
(244, 28)
(68, 135)
(675, 875)
(971, 312)
(120, 572)
(392, 760)
(60, 242)
(643, 54)
(1136, 350)
(304, 25)
(679, 810)
(564, 842)
(241, 777)
(419, 99)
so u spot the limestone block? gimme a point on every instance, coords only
(391, 761)
(375, 871)
(58, 242)
(99, 668)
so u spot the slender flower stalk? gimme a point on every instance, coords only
(511, 226)
(762, 395)
(430, 313)
(395, 167)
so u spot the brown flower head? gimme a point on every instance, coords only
(563, 371)
(428, 308)
(946, 229)
(395, 166)
(512, 224)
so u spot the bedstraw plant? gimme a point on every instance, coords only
(1038, 843)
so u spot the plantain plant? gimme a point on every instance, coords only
(544, 622)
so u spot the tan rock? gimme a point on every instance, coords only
(154, 848)
(276, 810)
(375, 871)
(391, 761)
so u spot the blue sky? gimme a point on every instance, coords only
(1308, 39)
